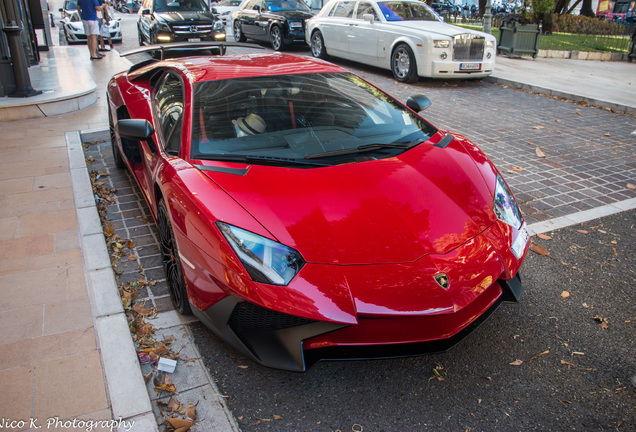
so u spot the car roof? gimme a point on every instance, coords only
(210, 68)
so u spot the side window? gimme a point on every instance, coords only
(169, 111)
(366, 8)
(343, 9)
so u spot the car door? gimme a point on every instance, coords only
(145, 19)
(335, 28)
(168, 107)
(248, 16)
(363, 36)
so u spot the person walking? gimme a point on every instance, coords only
(104, 28)
(88, 12)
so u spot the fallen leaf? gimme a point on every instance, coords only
(538, 249)
(130, 244)
(180, 423)
(277, 417)
(539, 152)
(517, 363)
(582, 231)
(242, 367)
(517, 168)
(565, 294)
(538, 127)
(173, 405)
(132, 257)
(144, 219)
(544, 236)
(191, 412)
(630, 186)
(579, 113)
(608, 134)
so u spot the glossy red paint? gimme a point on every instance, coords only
(374, 234)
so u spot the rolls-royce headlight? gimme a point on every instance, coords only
(218, 26)
(505, 206)
(295, 25)
(490, 44)
(265, 260)
(441, 43)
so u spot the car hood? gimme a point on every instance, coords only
(292, 14)
(395, 210)
(440, 28)
(188, 17)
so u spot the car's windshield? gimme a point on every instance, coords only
(180, 5)
(280, 5)
(299, 117)
(407, 11)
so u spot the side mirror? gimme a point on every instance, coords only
(368, 18)
(213, 10)
(257, 8)
(134, 129)
(61, 10)
(145, 11)
(418, 102)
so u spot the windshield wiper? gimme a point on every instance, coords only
(268, 159)
(366, 147)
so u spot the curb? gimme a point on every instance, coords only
(129, 395)
(125, 386)
(623, 109)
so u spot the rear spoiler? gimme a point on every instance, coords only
(188, 46)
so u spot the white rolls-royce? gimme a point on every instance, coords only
(404, 36)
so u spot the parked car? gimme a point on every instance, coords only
(74, 29)
(446, 8)
(70, 6)
(163, 21)
(225, 9)
(280, 22)
(405, 36)
(305, 214)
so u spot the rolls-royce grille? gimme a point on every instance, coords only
(467, 47)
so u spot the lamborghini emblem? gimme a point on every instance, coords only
(442, 280)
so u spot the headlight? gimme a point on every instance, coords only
(265, 260)
(218, 26)
(295, 25)
(162, 26)
(441, 43)
(490, 44)
(505, 206)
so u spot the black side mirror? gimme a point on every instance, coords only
(257, 8)
(418, 102)
(134, 129)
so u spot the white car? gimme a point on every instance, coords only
(74, 29)
(225, 9)
(405, 36)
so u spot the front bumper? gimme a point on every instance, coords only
(292, 343)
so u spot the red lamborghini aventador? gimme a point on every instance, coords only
(305, 214)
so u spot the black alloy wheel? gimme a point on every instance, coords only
(171, 262)
(276, 38)
(238, 34)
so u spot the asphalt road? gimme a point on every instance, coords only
(562, 359)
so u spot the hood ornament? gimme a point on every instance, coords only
(442, 280)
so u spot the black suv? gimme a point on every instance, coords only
(162, 21)
(280, 22)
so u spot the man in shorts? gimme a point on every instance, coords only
(88, 11)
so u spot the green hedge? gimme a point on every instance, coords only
(578, 24)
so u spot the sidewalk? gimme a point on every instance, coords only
(60, 360)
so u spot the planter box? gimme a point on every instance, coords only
(516, 40)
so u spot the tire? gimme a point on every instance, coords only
(238, 34)
(276, 38)
(119, 161)
(171, 262)
(403, 64)
(318, 48)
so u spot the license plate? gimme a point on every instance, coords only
(519, 245)
(194, 40)
(470, 66)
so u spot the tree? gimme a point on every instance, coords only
(542, 11)
(586, 9)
